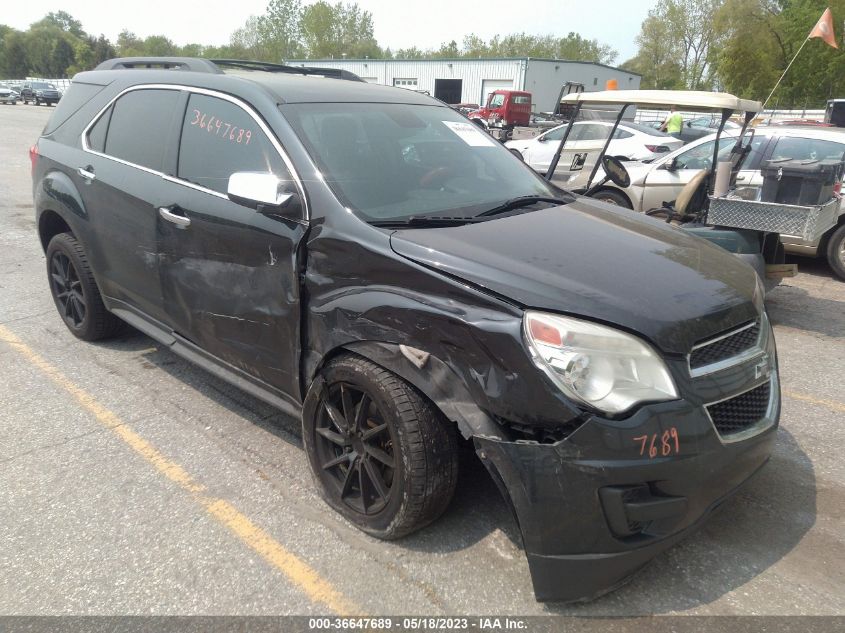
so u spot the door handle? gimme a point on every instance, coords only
(167, 213)
(740, 178)
(86, 172)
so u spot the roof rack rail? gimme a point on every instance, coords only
(194, 64)
(246, 64)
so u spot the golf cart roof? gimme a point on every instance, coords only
(682, 99)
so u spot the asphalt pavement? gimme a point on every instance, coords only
(132, 482)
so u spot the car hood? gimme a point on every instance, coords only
(596, 261)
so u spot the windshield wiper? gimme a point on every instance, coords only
(521, 201)
(425, 220)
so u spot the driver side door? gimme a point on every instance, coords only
(229, 274)
(663, 184)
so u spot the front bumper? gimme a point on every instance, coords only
(595, 507)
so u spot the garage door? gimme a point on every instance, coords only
(489, 85)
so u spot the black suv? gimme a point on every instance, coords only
(366, 258)
(39, 92)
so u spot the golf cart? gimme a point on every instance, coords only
(710, 205)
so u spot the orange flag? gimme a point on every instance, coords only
(824, 29)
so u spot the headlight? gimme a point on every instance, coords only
(39, 93)
(596, 365)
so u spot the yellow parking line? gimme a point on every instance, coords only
(297, 571)
(830, 404)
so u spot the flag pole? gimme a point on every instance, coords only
(784, 73)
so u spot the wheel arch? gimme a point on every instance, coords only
(432, 377)
(58, 206)
(616, 191)
(821, 250)
(50, 224)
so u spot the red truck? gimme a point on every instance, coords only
(504, 109)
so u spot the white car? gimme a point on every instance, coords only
(8, 95)
(662, 179)
(631, 142)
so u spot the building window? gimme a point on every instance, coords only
(595, 81)
(405, 83)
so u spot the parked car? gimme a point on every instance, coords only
(8, 95)
(39, 92)
(697, 128)
(632, 141)
(661, 181)
(427, 284)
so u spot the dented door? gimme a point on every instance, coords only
(228, 273)
(229, 284)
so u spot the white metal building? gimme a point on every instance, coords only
(471, 80)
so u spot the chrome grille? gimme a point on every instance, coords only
(736, 414)
(725, 346)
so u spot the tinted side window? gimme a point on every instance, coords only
(556, 135)
(807, 149)
(594, 132)
(139, 130)
(97, 134)
(218, 139)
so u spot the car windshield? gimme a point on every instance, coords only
(42, 86)
(394, 161)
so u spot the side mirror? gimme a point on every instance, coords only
(672, 165)
(689, 123)
(262, 191)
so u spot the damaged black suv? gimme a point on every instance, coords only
(366, 258)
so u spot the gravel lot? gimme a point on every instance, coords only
(133, 482)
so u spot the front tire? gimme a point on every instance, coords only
(836, 252)
(75, 291)
(612, 197)
(381, 454)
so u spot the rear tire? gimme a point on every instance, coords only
(612, 197)
(75, 291)
(389, 468)
(836, 252)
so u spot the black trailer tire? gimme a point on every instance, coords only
(612, 197)
(836, 252)
(390, 469)
(75, 291)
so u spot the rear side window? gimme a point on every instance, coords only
(220, 138)
(522, 99)
(139, 130)
(807, 149)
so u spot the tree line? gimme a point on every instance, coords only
(742, 47)
(57, 46)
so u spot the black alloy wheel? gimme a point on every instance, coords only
(382, 455)
(67, 290)
(356, 449)
(75, 291)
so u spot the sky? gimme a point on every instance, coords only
(397, 23)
